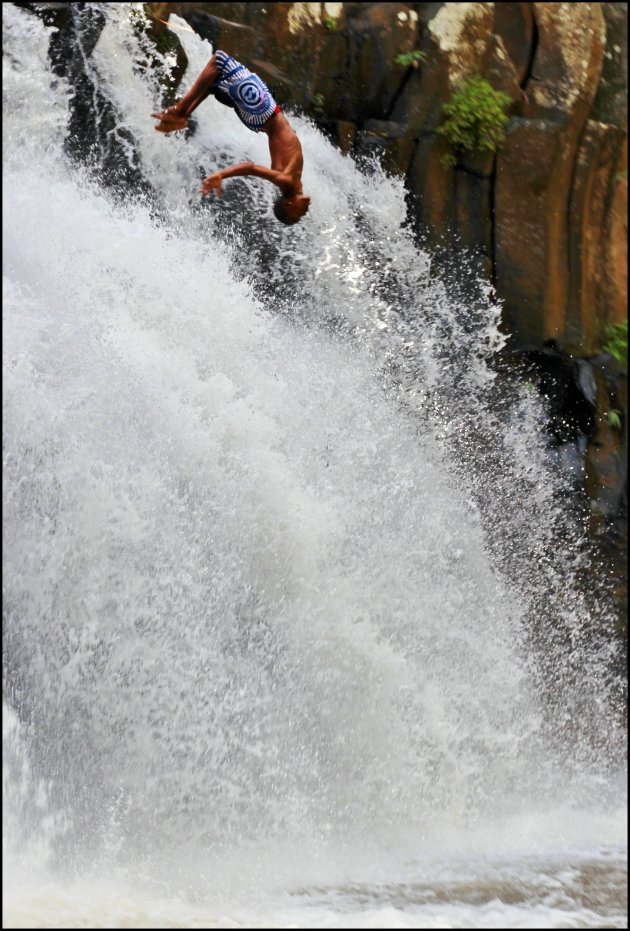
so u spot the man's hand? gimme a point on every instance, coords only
(212, 183)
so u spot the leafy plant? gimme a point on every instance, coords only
(614, 420)
(410, 59)
(318, 103)
(617, 341)
(475, 118)
(331, 23)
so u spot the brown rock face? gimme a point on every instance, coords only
(434, 187)
(607, 457)
(461, 35)
(341, 54)
(589, 247)
(523, 260)
(514, 24)
(535, 169)
(458, 42)
(614, 292)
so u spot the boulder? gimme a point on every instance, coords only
(281, 38)
(457, 42)
(341, 55)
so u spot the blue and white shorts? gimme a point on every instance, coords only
(239, 88)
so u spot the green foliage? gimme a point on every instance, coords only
(614, 420)
(330, 23)
(621, 176)
(617, 342)
(410, 59)
(318, 103)
(475, 118)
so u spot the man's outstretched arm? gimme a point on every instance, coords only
(213, 182)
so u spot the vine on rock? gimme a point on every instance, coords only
(475, 119)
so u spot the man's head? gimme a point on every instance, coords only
(289, 209)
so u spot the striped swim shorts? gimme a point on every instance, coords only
(237, 87)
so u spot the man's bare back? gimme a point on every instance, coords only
(257, 109)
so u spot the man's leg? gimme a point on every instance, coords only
(200, 89)
(176, 117)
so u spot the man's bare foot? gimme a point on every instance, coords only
(169, 126)
(170, 121)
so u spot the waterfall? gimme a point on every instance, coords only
(281, 562)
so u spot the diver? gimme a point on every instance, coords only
(232, 84)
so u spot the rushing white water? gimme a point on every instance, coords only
(268, 659)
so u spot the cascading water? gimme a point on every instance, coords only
(282, 641)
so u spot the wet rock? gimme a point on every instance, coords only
(345, 134)
(52, 14)
(221, 32)
(270, 73)
(96, 136)
(567, 385)
(381, 138)
(164, 53)
(607, 454)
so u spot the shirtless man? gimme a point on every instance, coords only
(237, 87)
